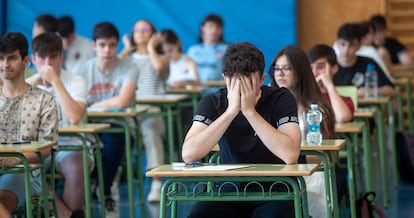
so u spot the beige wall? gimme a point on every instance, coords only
(318, 20)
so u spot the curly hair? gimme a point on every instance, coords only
(243, 58)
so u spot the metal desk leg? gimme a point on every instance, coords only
(382, 157)
(367, 150)
(410, 108)
(393, 143)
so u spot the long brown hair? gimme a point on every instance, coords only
(305, 88)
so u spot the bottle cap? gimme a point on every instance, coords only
(314, 106)
(370, 67)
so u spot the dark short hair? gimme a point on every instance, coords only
(349, 32)
(365, 27)
(378, 22)
(12, 41)
(242, 58)
(66, 26)
(47, 43)
(105, 30)
(216, 19)
(322, 51)
(48, 22)
(170, 37)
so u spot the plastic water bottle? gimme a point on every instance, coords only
(371, 82)
(314, 119)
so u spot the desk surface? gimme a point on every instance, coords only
(130, 112)
(327, 145)
(252, 170)
(354, 126)
(33, 146)
(401, 81)
(83, 128)
(367, 112)
(161, 98)
(185, 90)
(379, 100)
(214, 83)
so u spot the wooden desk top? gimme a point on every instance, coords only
(130, 112)
(169, 170)
(185, 90)
(354, 126)
(214, 83)
(33, 146)
(161, 98)
(379, 100)
(83, 128)
(401, 81)
(327, 145)
(366, 112)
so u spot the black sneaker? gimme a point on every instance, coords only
(110, 204)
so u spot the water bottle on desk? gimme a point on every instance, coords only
(314, 119)
(371, 82)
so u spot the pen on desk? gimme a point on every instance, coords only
(20, 142)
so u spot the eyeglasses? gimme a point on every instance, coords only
(145, 28)
(285, 69)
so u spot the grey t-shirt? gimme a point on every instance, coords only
(103, 86)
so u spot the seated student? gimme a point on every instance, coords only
(70, 94)
(44, 23)
(209, 50)
(77, 48)
(368, 50)
(111, 83)
(256, 109)
(324, 67)
(352, 67)
(27, 113)
(182, 69)
(291, 69)
(399, 55)
(141, 49)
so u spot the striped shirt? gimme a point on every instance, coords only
(149, 81)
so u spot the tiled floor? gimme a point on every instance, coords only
(401, 206)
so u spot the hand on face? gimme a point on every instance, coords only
(48, 75)
(248, 91)
(233, 93)
(324, 78)
(154, 41)
(242, 93)
(127, 42)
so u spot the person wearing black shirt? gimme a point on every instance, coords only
(251, 123)
(398, 54)
(352, 67)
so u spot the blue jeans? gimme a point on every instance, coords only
(113, 152)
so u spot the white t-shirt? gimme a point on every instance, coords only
(79, 51)
(178, 71)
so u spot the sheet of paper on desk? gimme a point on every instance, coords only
(217, 167)
(96, 109)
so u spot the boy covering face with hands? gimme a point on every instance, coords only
(251, 123)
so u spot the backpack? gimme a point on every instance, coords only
(365, 207)
(405, 155)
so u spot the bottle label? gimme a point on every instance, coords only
(313, 128)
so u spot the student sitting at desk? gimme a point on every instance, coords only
(291, 69)
(182, 70)
(324, 67)
(26, 114)
(70, 94)
(111, 83)
(352, 67)
(252, 123)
